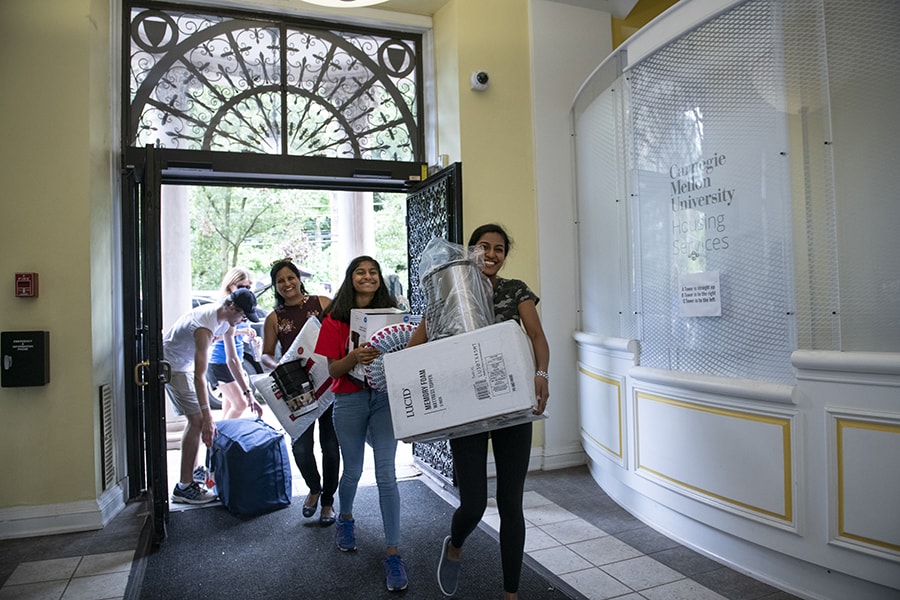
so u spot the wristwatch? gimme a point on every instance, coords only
(543, 374)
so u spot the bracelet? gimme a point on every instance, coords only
(204, 407)
(247, 392)
(543, 374)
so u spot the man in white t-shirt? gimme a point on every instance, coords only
(186, 348)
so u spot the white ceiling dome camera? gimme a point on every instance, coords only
(480, 80)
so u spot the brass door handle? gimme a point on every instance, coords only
(137, 373)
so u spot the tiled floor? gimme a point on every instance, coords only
(90, 565)
(599, 551)
(579, 534)
(575, 531)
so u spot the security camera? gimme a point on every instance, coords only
(480, 80)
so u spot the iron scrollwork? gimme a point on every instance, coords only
(213, 82)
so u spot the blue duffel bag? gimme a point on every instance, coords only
(251, 468)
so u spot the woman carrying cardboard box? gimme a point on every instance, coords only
(513, 300)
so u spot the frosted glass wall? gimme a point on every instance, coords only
(734, 196)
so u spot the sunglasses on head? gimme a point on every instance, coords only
(286, 259)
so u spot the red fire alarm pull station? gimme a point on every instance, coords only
(26, 285)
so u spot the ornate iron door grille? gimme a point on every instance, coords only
(434, 209)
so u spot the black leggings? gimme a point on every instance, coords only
(331, 458)
(512, 449)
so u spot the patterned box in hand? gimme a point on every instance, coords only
(366, 321)
(295, 416)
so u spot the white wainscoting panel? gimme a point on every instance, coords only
(739, 459)
(601, 411)
(866, 481)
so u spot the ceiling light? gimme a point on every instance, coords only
(345, 3)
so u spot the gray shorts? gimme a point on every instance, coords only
(182, 394)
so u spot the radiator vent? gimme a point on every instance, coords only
(108, 447)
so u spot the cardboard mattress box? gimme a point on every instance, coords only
(462, 384)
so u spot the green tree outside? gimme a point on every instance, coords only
(252, 227)
(390, 235)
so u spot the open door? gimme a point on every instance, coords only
(145, 414)
(433, 209)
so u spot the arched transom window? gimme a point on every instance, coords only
(267, 85)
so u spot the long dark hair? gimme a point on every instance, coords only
(490, 228)
(345, 298)
(273, 273)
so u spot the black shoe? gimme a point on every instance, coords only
(326, 519)
(447, 571)
(310, 509)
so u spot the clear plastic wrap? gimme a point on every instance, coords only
(459, 298)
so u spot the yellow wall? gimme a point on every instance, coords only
(491, 129)
(55, 203)
(642, 13)
(59, 174)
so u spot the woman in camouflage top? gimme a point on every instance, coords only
(511, 445)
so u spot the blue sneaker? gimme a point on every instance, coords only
(200, 474)
(395, 573)
(343, 533)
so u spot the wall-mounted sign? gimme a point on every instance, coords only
(699, 295)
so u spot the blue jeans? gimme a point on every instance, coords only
(361, 417)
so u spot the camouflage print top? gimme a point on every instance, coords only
(508, 294)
